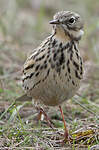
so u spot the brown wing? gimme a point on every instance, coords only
(36, 68)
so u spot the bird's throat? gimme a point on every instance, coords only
(61, 35)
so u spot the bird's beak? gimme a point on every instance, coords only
(54, 22)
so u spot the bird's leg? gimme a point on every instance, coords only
(42, 112)
(66, 134)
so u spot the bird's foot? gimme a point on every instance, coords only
(66, 135)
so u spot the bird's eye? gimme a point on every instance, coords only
(71, 20)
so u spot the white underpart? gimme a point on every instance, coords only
(77, 34)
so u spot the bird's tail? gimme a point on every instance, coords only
(23, 98)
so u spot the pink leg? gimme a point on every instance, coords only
(66, 130)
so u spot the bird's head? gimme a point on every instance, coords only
(67, 25)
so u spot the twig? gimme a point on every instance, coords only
(6, 110)
(84, 107)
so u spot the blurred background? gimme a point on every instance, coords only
(23, 25)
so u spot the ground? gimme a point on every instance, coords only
(23, 25)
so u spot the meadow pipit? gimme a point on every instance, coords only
(52, 73)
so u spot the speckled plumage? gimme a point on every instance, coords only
(53, 71)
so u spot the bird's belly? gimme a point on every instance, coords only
(54, 90)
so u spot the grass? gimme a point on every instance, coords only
(19, 127)
(21, 29)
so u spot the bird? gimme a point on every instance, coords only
(53, 71)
